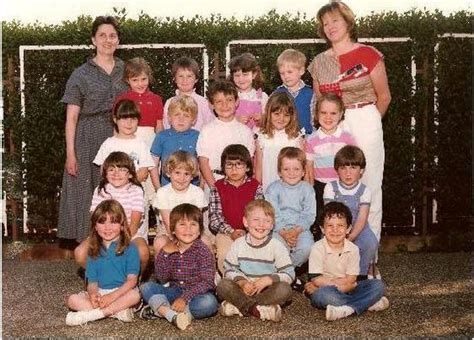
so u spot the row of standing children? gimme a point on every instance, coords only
(283, 113)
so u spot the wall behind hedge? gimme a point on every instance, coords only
(407, 178)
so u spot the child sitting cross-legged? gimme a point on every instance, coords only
(258, 270)
(334, 267)
(188, 265)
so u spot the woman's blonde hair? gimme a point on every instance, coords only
(277, 102)
(341, 8)
(114, 211)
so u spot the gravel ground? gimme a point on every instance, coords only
(430, 295)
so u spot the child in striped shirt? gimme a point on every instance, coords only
(258, 270)
(322, 146)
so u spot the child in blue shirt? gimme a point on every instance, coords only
(295, 205)
(112, 269)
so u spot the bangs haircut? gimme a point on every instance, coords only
(247, 62)
(260, 204)
(185, 104)
(349, 155)
(105, 20)
(125, 108)
(328, 97)
(135, 67)
(291, 152)
(277, 102)
(336, 209)
(118, 159)
(237, 152)
(292, 57)
(337, 7)
(221, 86)
(188, 212)
(181, 159)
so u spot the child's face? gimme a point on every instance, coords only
(329, 116)
(235, 171)
(139, 83)
(117, 177)
(350, 175)
(180, 178)
(187, 231)
(258, 224)
(224, 105)
(280, 119)
(292, 171)
(108, 231)
(181, 121)
(126, 127)
(243, 80)
(335, 229)
(185, 80)
(290, 75)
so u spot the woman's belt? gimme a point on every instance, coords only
(358, 105)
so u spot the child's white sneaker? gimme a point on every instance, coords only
(125, 315)
(228, 309)
(182, 320)
(270, 312)
(380, 305)
(83, 317)
(338, 312)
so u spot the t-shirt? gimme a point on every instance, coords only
(167, 198)
(150, 104)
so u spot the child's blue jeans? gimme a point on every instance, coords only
(367, 293)
(368, 246)
(300, 253)
(200, 307)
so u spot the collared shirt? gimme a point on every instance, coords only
(217, 220)
(150, 104)
(193, 270)
(110, 270)
(168, 141)
(334, 263)
(321, 148)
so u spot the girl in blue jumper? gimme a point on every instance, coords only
(349, 163)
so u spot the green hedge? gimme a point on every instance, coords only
(405, 180)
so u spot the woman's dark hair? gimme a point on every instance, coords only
(105, 20)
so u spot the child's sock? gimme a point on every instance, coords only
(170, 314)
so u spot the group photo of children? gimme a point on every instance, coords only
(251, 197)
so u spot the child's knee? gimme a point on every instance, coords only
(324, 296)
(203, 306)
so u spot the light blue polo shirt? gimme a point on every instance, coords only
(110, 270)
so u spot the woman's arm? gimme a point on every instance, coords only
(378, 76)
(72, 115)
(360, 222)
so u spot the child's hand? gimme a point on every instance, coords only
(179, 305)
(257, 117)
(94, 299)
(262, 283)
(242, 119)
(351, 237)
(170, 247)
(247, 287)
(237, 233)
(106, 300)
(310, 287)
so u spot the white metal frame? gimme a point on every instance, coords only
(25, 48)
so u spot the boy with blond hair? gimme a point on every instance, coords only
(291, 66)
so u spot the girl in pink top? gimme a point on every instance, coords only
(247, 77)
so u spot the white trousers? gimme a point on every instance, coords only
(365, 124)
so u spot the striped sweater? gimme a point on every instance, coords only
(271, 258)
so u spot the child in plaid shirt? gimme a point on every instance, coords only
(188, 265)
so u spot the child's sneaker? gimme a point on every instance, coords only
(83, 317)
(182, 320)
(380, 305)
(298, 285)
(147, 313)
(137, 308)
(338, 312)
(125, 315)
(270, 312)
(228, 309)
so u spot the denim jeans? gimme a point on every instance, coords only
(300, 253)
(360, 299)
(200, 307)
(276, 294)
